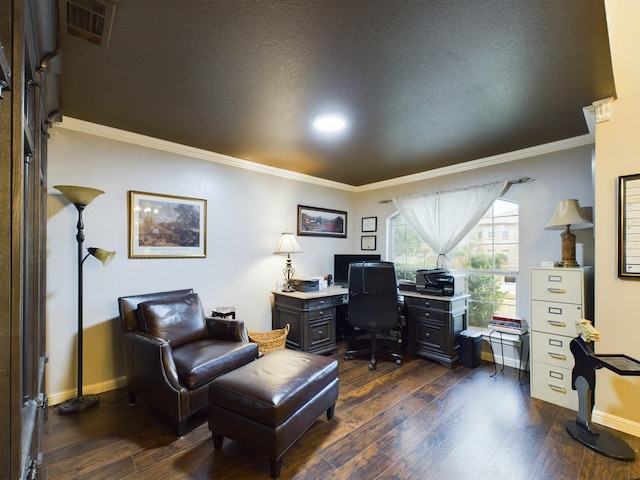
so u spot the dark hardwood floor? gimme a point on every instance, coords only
(418, 421)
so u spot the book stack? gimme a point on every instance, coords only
(516, 326)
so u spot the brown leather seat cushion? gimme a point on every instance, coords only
(200, 361)
(271, 389)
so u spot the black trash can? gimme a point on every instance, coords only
(470, 348)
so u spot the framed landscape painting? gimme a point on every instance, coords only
(321, 222)
(166, 226)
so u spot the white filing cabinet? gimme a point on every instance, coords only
(559, 297)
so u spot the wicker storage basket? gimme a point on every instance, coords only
(270, 341)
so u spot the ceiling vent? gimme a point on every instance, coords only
(89, 20)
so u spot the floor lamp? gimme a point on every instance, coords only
(81, 197)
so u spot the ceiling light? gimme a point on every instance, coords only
(329, 123)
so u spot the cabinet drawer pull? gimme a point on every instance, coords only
(557, 389)
(426, 314)
(557, 356)
(321, 312)
(555, 323)
(557, 290)
(427, 334)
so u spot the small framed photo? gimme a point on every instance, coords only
(321, 222)
(369, 224)
(166, 226)
(368, 242)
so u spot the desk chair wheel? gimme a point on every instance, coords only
(373, 365)
(398, 362)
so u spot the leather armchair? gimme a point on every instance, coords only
(172, 351)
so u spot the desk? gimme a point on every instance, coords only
(433, 322)
(311, 317)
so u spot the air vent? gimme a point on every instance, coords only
(88, 20)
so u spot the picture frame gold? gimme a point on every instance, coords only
(167, 226)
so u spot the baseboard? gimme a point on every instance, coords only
(615, 422)
(59, 397)
(510, 352)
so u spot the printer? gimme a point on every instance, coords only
(439, 281)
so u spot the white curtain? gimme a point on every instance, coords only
(442, 219)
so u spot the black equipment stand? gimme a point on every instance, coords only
(583, 380)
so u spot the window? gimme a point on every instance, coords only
(488, 256)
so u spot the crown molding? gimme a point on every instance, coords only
(74, 124)
(484, 162)
(82, 126)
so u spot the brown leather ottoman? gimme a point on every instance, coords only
(268, 403)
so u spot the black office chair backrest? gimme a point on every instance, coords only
(373, 295)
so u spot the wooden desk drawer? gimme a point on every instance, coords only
(552, 350)
(427, 303)
(429, 336)
(555, 318)
(560, 285)
(423, 315)
(325, 302)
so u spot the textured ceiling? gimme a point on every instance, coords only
(425, 84)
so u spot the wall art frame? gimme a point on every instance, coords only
(368, 242)
(629, 226)
(167, 226)
(321, 222)
(369, 224)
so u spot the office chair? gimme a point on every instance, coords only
(373, 304)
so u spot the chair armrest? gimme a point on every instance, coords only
(227, 329)
(149, 357)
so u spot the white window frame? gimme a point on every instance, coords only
(497, 246)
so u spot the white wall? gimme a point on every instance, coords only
(557, 176)
(617, 301)
(246, 213)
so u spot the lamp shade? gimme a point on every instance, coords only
(105, 256)
(569, 212)
(287, 244)
(79, 195)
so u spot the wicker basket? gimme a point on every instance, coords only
(270, 341)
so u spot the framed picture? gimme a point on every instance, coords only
(166, 226)
(321, 222)
(629, 226)
(369, 224)
(368, 242)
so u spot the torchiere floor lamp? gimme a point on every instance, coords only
(81, 197)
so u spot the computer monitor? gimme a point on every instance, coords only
(341, 265)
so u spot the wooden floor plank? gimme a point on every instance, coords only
(419, 421)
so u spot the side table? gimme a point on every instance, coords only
(497, 335)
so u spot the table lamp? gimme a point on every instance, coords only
(568, 213)
(288, 244)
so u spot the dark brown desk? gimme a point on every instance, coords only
(433, 323)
